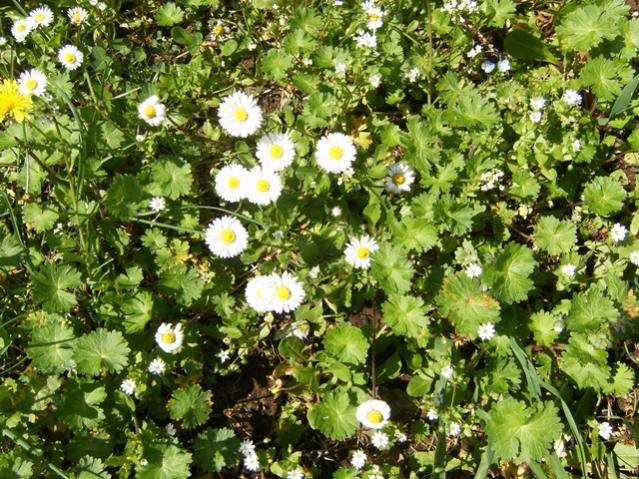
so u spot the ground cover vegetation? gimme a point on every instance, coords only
(295, 239)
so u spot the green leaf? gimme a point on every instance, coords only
(555, 236)
(623, 100)
(347, 343)
(334, 416)
(510, 274)
(605, 77)
(585, 361)
(406, 316)
(51, 285)
(10, 252)
(170, 179)
(40, 219)
(590, 311)
(80, 404)
(542, 324)
(523, 45)
(586, 27)
(216, 449)
(91, 468)
(622, 381)
(192, 405)
(462, 301)
(627, 455)
(169, 14)
(392, 269)
(275, 64)
(183, 283)
(137, 311)
(124, 197)
(604, 195)
(415, 234)
(518, 433)
(164, 462)
(472, 109)
(499, 12)
(50, 348)
(100, 351)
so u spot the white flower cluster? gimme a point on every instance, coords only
(537, 104)
(458, 8)
(251, 461)
(491, 179)
(274, 292)
(503, 65)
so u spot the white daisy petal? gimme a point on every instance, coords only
(21, 28)
(335, 152)
(70, 57)
(263, 186)
(226, 237)
(152, 111)
(231, 183)
(32, 81)
(286, 293)
(400, 178)
(41, 16)
(169, 337)
(77, 15)
(359, 250)
(240, 115)
(275, 151)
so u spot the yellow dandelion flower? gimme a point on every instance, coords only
(12, 103)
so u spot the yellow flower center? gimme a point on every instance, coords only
(21, 27)
(218, 30)
(373, 17)
(31, 83)
(335, 152)
(169, 337)
(227, 236)
(398, 179)
(283, 293)
(276, 151)
(69, 57)
(150, 111)
(39, 17)
(240, 114)
(375, 416)
(233, 182)
(262, 185)
(363, 253)
(77, 17)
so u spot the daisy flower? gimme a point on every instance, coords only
(21, 28)
(358, 251)
(537, 103)
(375, 80)
(373, 413)
(152, 111)
(70, 57)
(128, 387)
(379, 440)
(295, 474)
(12, 103)
(374, 17)
(226, 237)
(618, 232)
(287, 293)
(32, 82)
(259, 293)
(230, 183)
(169, 337)
(41, 16)
(488, 66)
(247, 447)
(157, 204)
(240, 115)
(157, 366)
(335, 152)
(218, 31)
(263, 186)
(486, 332)
(358, 460)
(77, 15)
(400, 178)
(275, 151)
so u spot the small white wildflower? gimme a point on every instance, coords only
(295, 474)
(473, 270)
(170, 429)
(375, 473)
(247, 447)
(307, 61)
(157, 204)
(224, 355)
(454, 429)
(380, 440)
(473, 52)
(488, 66)
(503, 65)
(618, 232)
(143, 462)
(605, 430)
(3, 41)
(447, 372)
(559, 326)
(491, 179)
(340, 68)
(413, 74)
(365, 40)
(375, 80)
(535, 116)
(128, 386)
(336, 211)
(634, 258)
(486, 332)
(576, 145)
(538, 103)
(251, 462)
(400, 436)
(139, 138)
(432, 415)
(157, 366)
(251, 46)
(572, 97)
(358, 460)
(102, 6)
(569, 270)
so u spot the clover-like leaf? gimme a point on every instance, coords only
(101, 351)
(191, 405)
(521, 433)
(347, 343)
(334, 415)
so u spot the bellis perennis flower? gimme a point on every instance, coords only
(359, 250)
(152, 111)
(400, 177)
(335, 152)
(226, 237)
(277, 293)
(70, 57)
(32, 82)
(275, 151)
(373, 413)
(240, 115)
(41, 16)
(169, 337)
